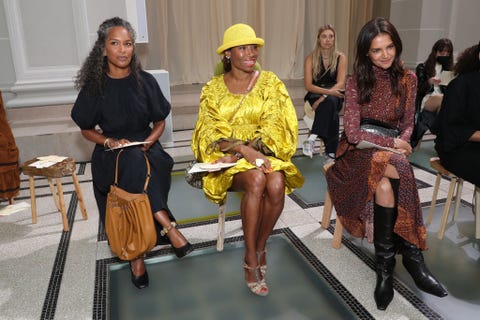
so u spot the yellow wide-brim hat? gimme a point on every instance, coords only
(237, 35)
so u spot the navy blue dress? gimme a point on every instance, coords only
(127, 110)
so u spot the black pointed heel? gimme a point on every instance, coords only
(179, 252)
(140, 282)
(183, 251)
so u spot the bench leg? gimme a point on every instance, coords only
(458, 198)
(327, 211)
(79, 196)
(54, 194)
(33, 201)
(434, 198)
(221, 227)
(337, 235)
(63, 209)
(446, 211)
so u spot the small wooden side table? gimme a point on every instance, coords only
(57, 171)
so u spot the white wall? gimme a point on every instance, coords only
(422, 22)
(43, 43)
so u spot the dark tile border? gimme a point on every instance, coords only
(101, 273)
(51, 297)
(304, 205)
(402, 289)
(100, 303)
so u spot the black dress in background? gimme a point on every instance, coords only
(458, 119)
(326, 124)
(127, 111)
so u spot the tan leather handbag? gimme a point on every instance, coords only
(129, 220)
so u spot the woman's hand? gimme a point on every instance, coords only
(114, 143)
(403, 146)
(340, 93)
(146, 146)
(229, 158)
(258, 159)
(317, 103)
(433, 81)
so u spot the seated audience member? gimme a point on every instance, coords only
(127, 104)
(457, 126)
(430, 90)
(373, 190)
(325, 70)
(247, 117)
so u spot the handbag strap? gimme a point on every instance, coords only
(147, 179)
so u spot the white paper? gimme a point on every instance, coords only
(46, 161)
(42, 164)
(445, 77)
(203, 167)
(368, 145)
(130, 144)
(52, 158)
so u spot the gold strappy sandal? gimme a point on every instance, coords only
(257, 287)
(263, 268)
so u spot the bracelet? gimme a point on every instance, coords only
(106, 143)
(238, 155)
(324, 95)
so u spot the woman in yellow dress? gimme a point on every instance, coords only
(246, 116)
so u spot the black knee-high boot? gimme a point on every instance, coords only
(384, 242)
(412, 259)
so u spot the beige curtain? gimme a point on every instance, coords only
(183, 34)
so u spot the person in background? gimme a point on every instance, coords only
(124, 101)
(457, 126)
(373, 190)
(325, 71)
(430, 90)
(247, 117)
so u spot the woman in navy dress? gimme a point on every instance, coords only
(122, 101)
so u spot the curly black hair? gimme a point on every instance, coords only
(468, 60)
(363, 66)
(93, 73)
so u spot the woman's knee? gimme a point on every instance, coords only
(384, 193)
(433, 103)
(254, 181)
(276, 185)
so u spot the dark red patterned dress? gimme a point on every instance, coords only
(354, 177)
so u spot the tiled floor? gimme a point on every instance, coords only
(47, 273)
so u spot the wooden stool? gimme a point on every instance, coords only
(327, 214)
(455, 183)
(57, 171)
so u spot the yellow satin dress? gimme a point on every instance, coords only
(266, 112)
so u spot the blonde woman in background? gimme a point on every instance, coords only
(325, 71)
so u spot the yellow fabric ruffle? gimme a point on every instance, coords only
(266, 112)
